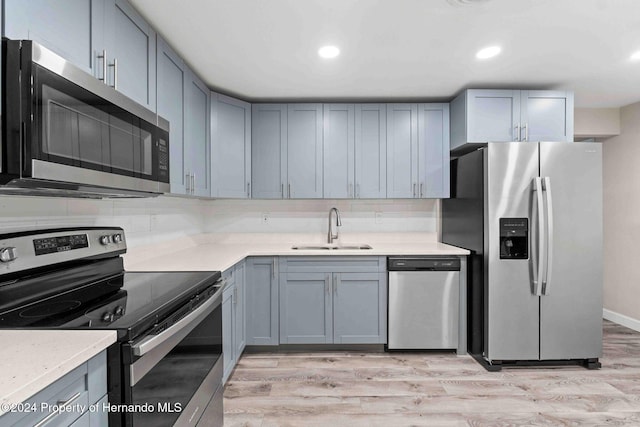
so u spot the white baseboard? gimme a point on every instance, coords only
(621, 319)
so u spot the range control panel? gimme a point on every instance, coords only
(60, 244)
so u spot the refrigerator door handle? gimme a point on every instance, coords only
(538, 270)
(546, 283)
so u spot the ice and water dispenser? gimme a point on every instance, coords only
(514, 238)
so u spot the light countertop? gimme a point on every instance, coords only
(217, 251)
(34, 359)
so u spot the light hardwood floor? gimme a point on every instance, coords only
(433, 389)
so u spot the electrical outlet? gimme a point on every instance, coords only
(265, 218)
(378, 217)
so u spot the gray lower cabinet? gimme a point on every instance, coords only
(483, 115)
(261, 287)
(233, 318)
(84, 386)
(417, 150)
(269, 151)
(333, 300)
(230, 147)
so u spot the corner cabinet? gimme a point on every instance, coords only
(230, 147)
(262, 301)
(417, 150)
(491, 115)
(197, 134)
(340, 300)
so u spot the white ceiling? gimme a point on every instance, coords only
(405, 49)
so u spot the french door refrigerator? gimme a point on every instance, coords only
(531, 215)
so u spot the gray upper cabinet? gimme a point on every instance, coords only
(268, 151)
(304, 151)
(261, 287)
(483, 115)
(433, 150)
(417, 150)
(170, 96)
(230, 147)
(338, 151)
(74, 31)
(402, 150)
(130, 45)
(196, 136)
(370, 151)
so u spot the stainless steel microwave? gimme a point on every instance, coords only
(65, 133)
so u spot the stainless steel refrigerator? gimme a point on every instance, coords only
(531, 214)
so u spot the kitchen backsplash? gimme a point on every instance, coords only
(147, 221)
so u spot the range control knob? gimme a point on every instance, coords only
(105, 240)
(116, 238)
(8, 254)
(108, 317)
(119, 311)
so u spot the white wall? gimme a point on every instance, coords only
(145, 221)
(596, 122)
(621, 170)
(311, 216)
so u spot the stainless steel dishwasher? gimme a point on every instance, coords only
(423, 302)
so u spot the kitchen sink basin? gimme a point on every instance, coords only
(329, 247)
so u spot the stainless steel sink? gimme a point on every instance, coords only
(329, 247)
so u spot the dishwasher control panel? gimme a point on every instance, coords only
(423, 264)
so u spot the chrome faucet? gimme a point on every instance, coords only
(331, 237)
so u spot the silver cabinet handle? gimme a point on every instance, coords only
(103, 79)
(414, 189)
(289, 189)
(193, 183)
(59, 403)
(327, 286)
(114, 65)
(542, 254)
(335, 284)
(273, 268)
(282, 190)
(516, 132)
(526, 131)
(235, 296)
(421, 192)
(546, 284)
(357, 190)
(187, 182)
(248, 189)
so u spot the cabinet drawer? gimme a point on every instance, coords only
(333, 264)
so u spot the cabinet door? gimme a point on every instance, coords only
(305, 308)
(73, 31)
(171, 78)
(230, 147)
(240, 309)
(493, 115)
(360, 308)
(433, 150)
(131, 47)
(547, 115)
(371, 151)
(228, 335)
(402, 150)
(304, 151)
(268, 151)
(338, 151)
(261, 281)
(196, 135)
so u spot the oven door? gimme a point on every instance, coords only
(178, 371)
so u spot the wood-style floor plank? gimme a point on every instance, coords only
(433, 389)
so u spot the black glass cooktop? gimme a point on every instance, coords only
(99, 295)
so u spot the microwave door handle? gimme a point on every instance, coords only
(546, 283)
(539, 268)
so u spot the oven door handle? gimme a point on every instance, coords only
(180, 329)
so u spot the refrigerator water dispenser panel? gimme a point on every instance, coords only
(514, 238)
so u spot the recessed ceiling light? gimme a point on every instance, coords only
(635, 56)
(328, 52)
(488, 52)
